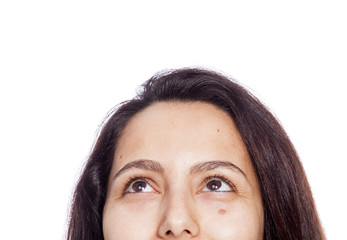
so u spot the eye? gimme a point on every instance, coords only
(218, 184)
(139, 186)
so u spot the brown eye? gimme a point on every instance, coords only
(218, 184)
(140, 186)
(214, 185)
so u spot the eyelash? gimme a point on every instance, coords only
(220, 177)
(206, 180)
(132, 180)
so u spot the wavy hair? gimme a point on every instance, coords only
(289, 209)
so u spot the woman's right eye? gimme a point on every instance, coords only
(139, 186)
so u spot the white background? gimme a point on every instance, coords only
(65, 64)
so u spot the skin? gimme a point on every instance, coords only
(188, 158)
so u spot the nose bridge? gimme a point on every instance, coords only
(179, 203)
(178, 215)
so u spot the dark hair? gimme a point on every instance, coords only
(289, 210)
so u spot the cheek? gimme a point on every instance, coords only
(125, 223)
(234, 220)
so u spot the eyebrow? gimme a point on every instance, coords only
(211, 165)
(144, 164)
(153, 166)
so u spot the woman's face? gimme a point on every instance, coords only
(181, 171)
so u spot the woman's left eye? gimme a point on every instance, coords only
(218, 185)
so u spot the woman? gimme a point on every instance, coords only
(193, 156)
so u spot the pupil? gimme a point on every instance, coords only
(214, 185)
(139, 186)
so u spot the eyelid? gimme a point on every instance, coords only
(149, 181)
(223, 179)
(132, 180)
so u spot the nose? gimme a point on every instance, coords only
(179, 220)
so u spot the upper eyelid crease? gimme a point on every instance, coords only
(154, 166)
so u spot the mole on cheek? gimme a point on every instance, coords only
(217, 130)
(222, 211)
(120, 156)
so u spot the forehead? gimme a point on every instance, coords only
(181, 133)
